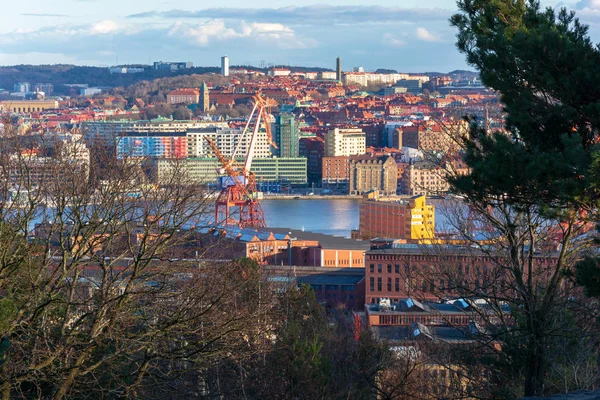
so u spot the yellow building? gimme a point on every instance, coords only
(421, 218)
(412, 220)
(28, 106)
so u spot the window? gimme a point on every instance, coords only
(316, 287)
(379, 284)
(347, 288)
(397, 284)
(389, 268)
(331, 287)
(389, 284)
(372, 284)
(379, 267)
(397, 268)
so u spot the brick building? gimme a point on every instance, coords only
(336, 171)
(427, 272)
(369, 172)
(338, 289)
(272, 246)
(412, 220)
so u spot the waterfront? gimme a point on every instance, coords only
(330, 216)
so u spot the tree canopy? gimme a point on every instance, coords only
(532, 185)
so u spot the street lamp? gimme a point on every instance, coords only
(290, 240)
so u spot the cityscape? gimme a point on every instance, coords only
(240, 229)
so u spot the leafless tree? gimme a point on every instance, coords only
(95, 300)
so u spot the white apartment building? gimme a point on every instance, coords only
(226, 140)
(345, 142)
(327, 75)
(364, 78)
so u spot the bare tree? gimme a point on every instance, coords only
(94, 299)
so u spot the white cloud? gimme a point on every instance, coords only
(206, 33)
(309, 15)
(202, 34)
(104, 27)
(392, 41)
(426, 36)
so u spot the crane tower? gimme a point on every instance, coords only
(237, 203)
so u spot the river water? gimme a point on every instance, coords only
(333, 217)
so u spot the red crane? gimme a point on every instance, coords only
(237, 203)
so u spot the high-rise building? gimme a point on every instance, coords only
(287, 135)
(345, 142)
(47, 88)
(205, 97)
(338, 69)
(225, 66)
(22, 87)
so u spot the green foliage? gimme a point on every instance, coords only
(544, 66)
(588, 275)
(544, 163)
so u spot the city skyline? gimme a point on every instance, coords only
(411, 38)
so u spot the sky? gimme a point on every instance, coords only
(407, 35)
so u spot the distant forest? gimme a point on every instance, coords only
(61, 74)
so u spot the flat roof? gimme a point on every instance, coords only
(326, 241)
(327, 279)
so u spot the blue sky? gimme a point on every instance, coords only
(408, 35)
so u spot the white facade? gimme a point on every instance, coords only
(364, 78)
(421, 78)
(345, 142)
(90, 91)
(226, 140)
(327, 75)
(225, 66)
(279, 72)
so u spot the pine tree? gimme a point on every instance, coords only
(539, 169)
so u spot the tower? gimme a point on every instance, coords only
(225, 66)
(287, 136)
(338, 69)
(204, 98)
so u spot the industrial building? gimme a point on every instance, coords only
(412, 220)
(204, 170)
(430, 271)
(25, 106)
